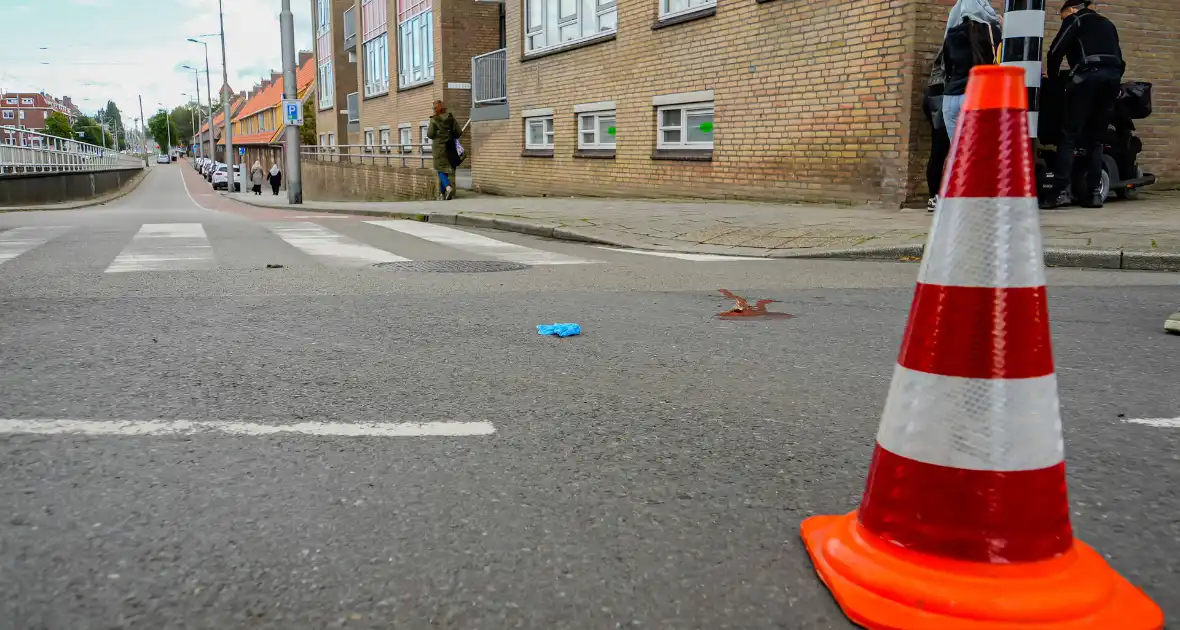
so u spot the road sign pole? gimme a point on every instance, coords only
(291, 146)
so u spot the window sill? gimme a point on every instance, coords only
(684, 17)
(321, 108)
(414, 86)
(683, 155)
(595, 154)
(581, 43)
(376, 95)
(537, 153)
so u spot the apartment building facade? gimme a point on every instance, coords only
(31, 109)
(382, 63)
(754, 99)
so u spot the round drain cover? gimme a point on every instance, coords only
(451, 266)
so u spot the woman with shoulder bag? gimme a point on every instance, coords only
(972, 34)
(444, 132)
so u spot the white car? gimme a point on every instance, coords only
(219, 177)
(163, 159)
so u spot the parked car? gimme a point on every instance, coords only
(209, 168)
(219, 178)
(162, 159)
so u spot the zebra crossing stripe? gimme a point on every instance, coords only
(331, 247)
(19, 240)
(479, 244)
(165, 247)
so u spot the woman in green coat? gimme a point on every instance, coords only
(443, 131)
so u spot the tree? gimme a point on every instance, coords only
(56, 124)
(114, 120)
(184, 117)
(159, 127)
(307, 133)
(87, 129)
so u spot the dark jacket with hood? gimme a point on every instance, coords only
(967, 45)
(1089, 41)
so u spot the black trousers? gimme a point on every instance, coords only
(940, 148)
(1089, 106)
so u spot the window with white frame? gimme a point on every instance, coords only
(374, 34)
(405, 139)
(688, 126)
(26, 101)
(331, 139)
(672, 8)
(555, 23)
(370, 139)
(10, 101)
(323, 16)
(22, 114)
(538, 133)
(423, 127)
(323, 140)
(596, 130)
(325, 84)
(376, 53)
(385, 139)
(9, 114)
(415, 36)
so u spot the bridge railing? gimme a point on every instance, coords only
(25, 151)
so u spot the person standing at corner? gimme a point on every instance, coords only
(443, 131)
(1091, 44)
(972, 37)
(256, 176)
(276, 178)
(940, 141)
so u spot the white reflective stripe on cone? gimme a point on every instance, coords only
(984, 242)
(973, 423)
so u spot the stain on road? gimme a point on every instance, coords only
(742, 308)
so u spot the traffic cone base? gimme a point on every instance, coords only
(881, 586)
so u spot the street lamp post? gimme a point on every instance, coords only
(192, 121)
(209, 95)
(227, 115)
(197, 80)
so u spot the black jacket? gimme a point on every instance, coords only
(1087, 40)
(960, 56)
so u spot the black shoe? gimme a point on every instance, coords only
(1092, 201)
(1063, 199)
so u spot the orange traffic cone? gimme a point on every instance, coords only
(964, 523)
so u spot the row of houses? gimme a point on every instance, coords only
(256, 119)
(30, 110)
(756, 99)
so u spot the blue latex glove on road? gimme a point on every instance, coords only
(559, 330)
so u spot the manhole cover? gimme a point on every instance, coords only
(451, 266)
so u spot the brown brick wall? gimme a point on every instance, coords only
(807, 99)
(1152, 52)
(330, 181)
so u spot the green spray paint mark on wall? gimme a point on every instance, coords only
(610, 130)
(707, 127)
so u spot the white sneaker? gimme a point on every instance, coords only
(1172, 324)
(450, 194)
(932, 203)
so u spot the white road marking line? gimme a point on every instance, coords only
(320, 242)
(683, 256)
(191, 427)
(1159, 423)
(318, 216)
(478, 244)
(165, 247)
(19, 240)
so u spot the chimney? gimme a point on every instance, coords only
(275, 76)
(304, 57)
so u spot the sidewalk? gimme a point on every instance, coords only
(1142, 234)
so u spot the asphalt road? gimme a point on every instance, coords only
(651, 473)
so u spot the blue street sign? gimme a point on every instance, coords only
(241, 150)
(292, 112)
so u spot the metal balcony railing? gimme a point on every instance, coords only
(24, 151)
(367, 154)
(350, 29)
(489, 81)
(354, 107)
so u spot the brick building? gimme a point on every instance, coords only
(758, 99)
(258, 125)
(31, 109)
(381, 63)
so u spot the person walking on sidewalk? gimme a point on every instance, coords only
(443, 131)
(940, 142)
(256, 177)
(972, 35)
(276, 178)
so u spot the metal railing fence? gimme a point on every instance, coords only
(25, 151)
(391, 155)
(489, 83)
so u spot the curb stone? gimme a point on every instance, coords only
(1054, 256)
(89, 203)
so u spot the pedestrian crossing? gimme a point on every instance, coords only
(153, 247)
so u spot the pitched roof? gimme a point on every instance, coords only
(235, 104)
(271, 97)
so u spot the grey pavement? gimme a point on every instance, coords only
(651, 473)
(1147, 229)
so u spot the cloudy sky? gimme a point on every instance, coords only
(95, 50)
